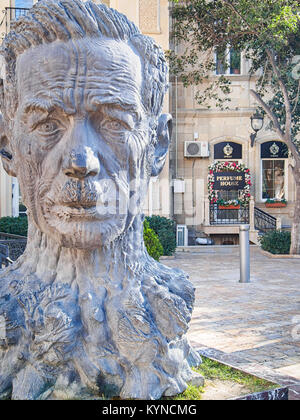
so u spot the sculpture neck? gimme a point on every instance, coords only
(49, 261)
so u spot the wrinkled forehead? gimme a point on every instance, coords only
(80, 72)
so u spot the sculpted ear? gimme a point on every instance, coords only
(164, 134)
(6, 156)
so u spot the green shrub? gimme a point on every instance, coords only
(165, 229)
(153, 245)
(14, 225)
(276, 242)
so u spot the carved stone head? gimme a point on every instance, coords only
(82, 130)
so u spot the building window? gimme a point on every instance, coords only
(274, 155)
(21, 7)
(273, 172)
(27, 4)
(228, 61)
(235, 61)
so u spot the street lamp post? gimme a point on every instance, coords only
(257, 123)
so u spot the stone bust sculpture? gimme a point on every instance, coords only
(85, 309)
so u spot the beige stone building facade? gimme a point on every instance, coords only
(224, 136)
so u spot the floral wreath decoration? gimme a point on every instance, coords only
(228, 166)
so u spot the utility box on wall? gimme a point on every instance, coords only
(182, 235)
(179, 186)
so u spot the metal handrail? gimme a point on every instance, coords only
(264, 221)
(4, 235)
(4, 256)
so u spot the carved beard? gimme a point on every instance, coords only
(68, 209)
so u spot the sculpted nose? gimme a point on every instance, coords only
(81, 165)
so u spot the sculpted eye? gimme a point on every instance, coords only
(48, 127)
(113, 125)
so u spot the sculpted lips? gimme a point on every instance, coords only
(77, 199)
(81, 199)
(79, 194)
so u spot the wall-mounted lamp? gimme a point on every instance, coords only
(257, 123)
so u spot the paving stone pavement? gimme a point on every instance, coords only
(254, 327)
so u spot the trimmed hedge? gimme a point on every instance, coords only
(153, 245)
(276, 242)
(14, 225)
(165, 229)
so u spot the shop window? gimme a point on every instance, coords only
(273, 172)
(228, 61)
(274, 155)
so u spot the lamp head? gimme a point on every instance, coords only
(257, 121)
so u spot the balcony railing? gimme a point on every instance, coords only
(228, 216)
(13, 13)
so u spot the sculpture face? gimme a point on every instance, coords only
(82, 138)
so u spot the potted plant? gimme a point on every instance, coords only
(275, 204)
(229, 205)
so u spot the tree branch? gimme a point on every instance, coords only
(297, 98)
(236, 12)
(288, 124)
(272, 117)
(269, 112)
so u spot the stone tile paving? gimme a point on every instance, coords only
(255, 326)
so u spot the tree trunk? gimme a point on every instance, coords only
(295, 238)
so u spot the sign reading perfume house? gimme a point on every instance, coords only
(229, 181)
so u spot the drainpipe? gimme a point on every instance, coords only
(176, 102)
(176, 124)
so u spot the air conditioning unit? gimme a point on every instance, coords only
(182, 235)
(196, 149)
